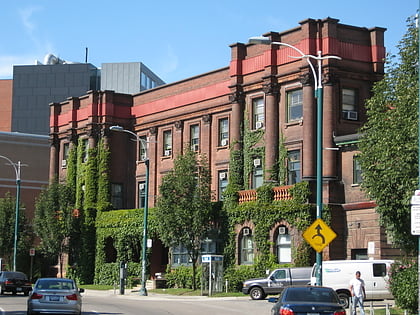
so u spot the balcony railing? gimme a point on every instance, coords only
(280, 193)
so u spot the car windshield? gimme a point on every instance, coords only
(310, 294)
(47, 284)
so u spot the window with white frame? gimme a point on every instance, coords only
(246, 246)
(293, 167)
(142, 194)
(294, 105)
(167, 143)
(257, 173)
(357, 171)
(223, 132)
(223, 182)
(195, 137)
(258, 113)
(349, 104)
(143, 148)
(283, 245)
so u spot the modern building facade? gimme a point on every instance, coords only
(265, 92)
(35, 86)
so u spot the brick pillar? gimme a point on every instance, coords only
(238, 104)
(309, 128)
(330, 121)
(271, 90)
(54, 156)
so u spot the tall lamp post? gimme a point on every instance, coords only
(16, 167)
(319, 130)
(143, 290)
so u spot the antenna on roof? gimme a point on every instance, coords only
(86, 55)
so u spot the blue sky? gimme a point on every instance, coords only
(175, 39)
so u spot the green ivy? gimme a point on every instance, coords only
(251, 151)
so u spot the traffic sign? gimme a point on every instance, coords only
(319, 235)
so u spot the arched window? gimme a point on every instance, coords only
(283, 245)
(246, 246)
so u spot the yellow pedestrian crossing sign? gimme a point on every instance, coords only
(319, 235)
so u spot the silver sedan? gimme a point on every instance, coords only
(55, 296)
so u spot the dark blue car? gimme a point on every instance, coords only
(298, 300)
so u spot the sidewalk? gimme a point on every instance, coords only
(134, 294)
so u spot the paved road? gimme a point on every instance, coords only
(106, 302)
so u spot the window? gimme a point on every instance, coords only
(195, 137)
(142, 194)
(208, 246)
(143, 148)
(283, 245)
(246, 247)
(66, 149)
(349, 104)
(223, 181)
(116, 196)
(167, 143)
(379, 270)
(293, 167)
(357, 170)
(257, 174)
(258, 113)
(223, 132)
(294, 105)
(180, 256)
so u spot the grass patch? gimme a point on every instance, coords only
(96, 287)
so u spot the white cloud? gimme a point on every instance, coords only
(26, 15)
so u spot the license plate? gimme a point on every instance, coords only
(313, 313)
(19, 289)
(54, 298)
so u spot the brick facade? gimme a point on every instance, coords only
(228, 93)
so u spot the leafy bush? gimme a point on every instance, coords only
(181, 277)
(403, 283)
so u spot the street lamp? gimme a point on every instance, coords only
(16, 167)
(143, 290)
(319, 97)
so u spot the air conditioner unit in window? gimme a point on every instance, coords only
(246, 231)
(167, 152)
(282, 230)
(350, 115)
(141, 186)
(222, 175)
(63, 163)
(259, 125)
(194, 147)
(224, 142)
(143, 157)
(257, 162)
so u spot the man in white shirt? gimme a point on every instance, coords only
(358, 293)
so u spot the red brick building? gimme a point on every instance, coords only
(263, 88)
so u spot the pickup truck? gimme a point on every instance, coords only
(277, 280)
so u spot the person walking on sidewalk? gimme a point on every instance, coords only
(358, 293)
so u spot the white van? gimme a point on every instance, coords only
(338, 273)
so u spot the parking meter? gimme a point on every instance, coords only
(123, 276)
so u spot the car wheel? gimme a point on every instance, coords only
(344, 299)
(257, 293)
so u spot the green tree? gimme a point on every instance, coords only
(7, 226)
(53, 219)
(184, 205)
(389, 143)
